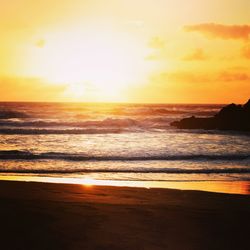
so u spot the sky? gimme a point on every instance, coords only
(146, 51)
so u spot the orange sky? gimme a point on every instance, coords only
(157, 51)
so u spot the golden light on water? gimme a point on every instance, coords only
(235, 187)
(88, 182)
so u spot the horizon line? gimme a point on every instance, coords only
(127, 103)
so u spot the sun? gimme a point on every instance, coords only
(93, 63)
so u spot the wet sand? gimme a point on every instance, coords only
(67, 216)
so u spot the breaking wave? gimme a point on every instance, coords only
(8, 114)
(26, 155)
(109, 122)
(61, 131)
(166, 171)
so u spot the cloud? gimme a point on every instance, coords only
(151, 57)
(214, 30)
(156, 43)
(226, 76)
(137, 23)
(29, 89)
(40, 43)
(183, 77)
(246, 51)
(157, 46)
(233, 76)
(202, 87)
(197, 55)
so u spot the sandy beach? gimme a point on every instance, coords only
(67, 216)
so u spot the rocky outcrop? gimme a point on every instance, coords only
(230, 117)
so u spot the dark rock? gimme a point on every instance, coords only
(247, 105)
(195, 123)
(230, 117)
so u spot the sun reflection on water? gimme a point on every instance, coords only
(230, 187)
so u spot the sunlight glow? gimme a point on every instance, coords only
(103, 62)
(88, 182)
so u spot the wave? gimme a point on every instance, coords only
(146, 112)
(48, 118)
(9, 114)
(21, 131)
(164, 111)
(153, 171)
(108, 125)
(79, 111)
(26, 155)
(108, 122)
(114, 130)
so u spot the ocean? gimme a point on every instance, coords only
(121, 142)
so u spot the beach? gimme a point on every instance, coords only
(125, 125)
(70, 216)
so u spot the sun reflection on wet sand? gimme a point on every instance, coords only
(232, 187)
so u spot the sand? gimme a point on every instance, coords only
(66, 216)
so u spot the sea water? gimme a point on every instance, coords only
(123, 142)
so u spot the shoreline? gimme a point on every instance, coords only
(70, 216)
(226, 187)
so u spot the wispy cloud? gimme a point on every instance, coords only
(157, 43)
(183, 77)
(214, 30)
(246, 51)
(226, 76)
(29, 89)
(40, 43)
(196, 55)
